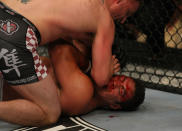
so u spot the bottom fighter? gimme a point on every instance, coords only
(69, 65)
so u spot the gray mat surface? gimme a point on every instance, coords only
(160, 111)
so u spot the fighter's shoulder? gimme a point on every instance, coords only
(96, 3)
(98, 7)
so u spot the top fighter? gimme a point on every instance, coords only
(23, 27)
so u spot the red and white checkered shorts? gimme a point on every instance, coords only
(20, 61)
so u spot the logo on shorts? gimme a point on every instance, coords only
(12, 61)
(8, 27)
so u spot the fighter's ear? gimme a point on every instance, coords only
(116, 3)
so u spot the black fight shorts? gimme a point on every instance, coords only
(19, 39)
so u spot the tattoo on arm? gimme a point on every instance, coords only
(23, 1)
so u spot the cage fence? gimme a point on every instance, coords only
(149, 45)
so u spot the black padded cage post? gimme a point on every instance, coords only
(149, 45)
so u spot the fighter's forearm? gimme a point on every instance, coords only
(101, 71)
(102, 56)
(98, 60)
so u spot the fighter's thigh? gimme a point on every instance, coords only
(44, 93)
(9, 93)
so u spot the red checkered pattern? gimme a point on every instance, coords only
(32, 44)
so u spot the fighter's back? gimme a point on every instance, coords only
(60, 18)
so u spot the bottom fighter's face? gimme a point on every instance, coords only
(119, 89)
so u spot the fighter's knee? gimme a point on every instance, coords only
(52, 116)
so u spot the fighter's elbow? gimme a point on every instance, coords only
(100, 79)
(101, 83)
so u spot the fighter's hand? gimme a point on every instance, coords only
(116, 64)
